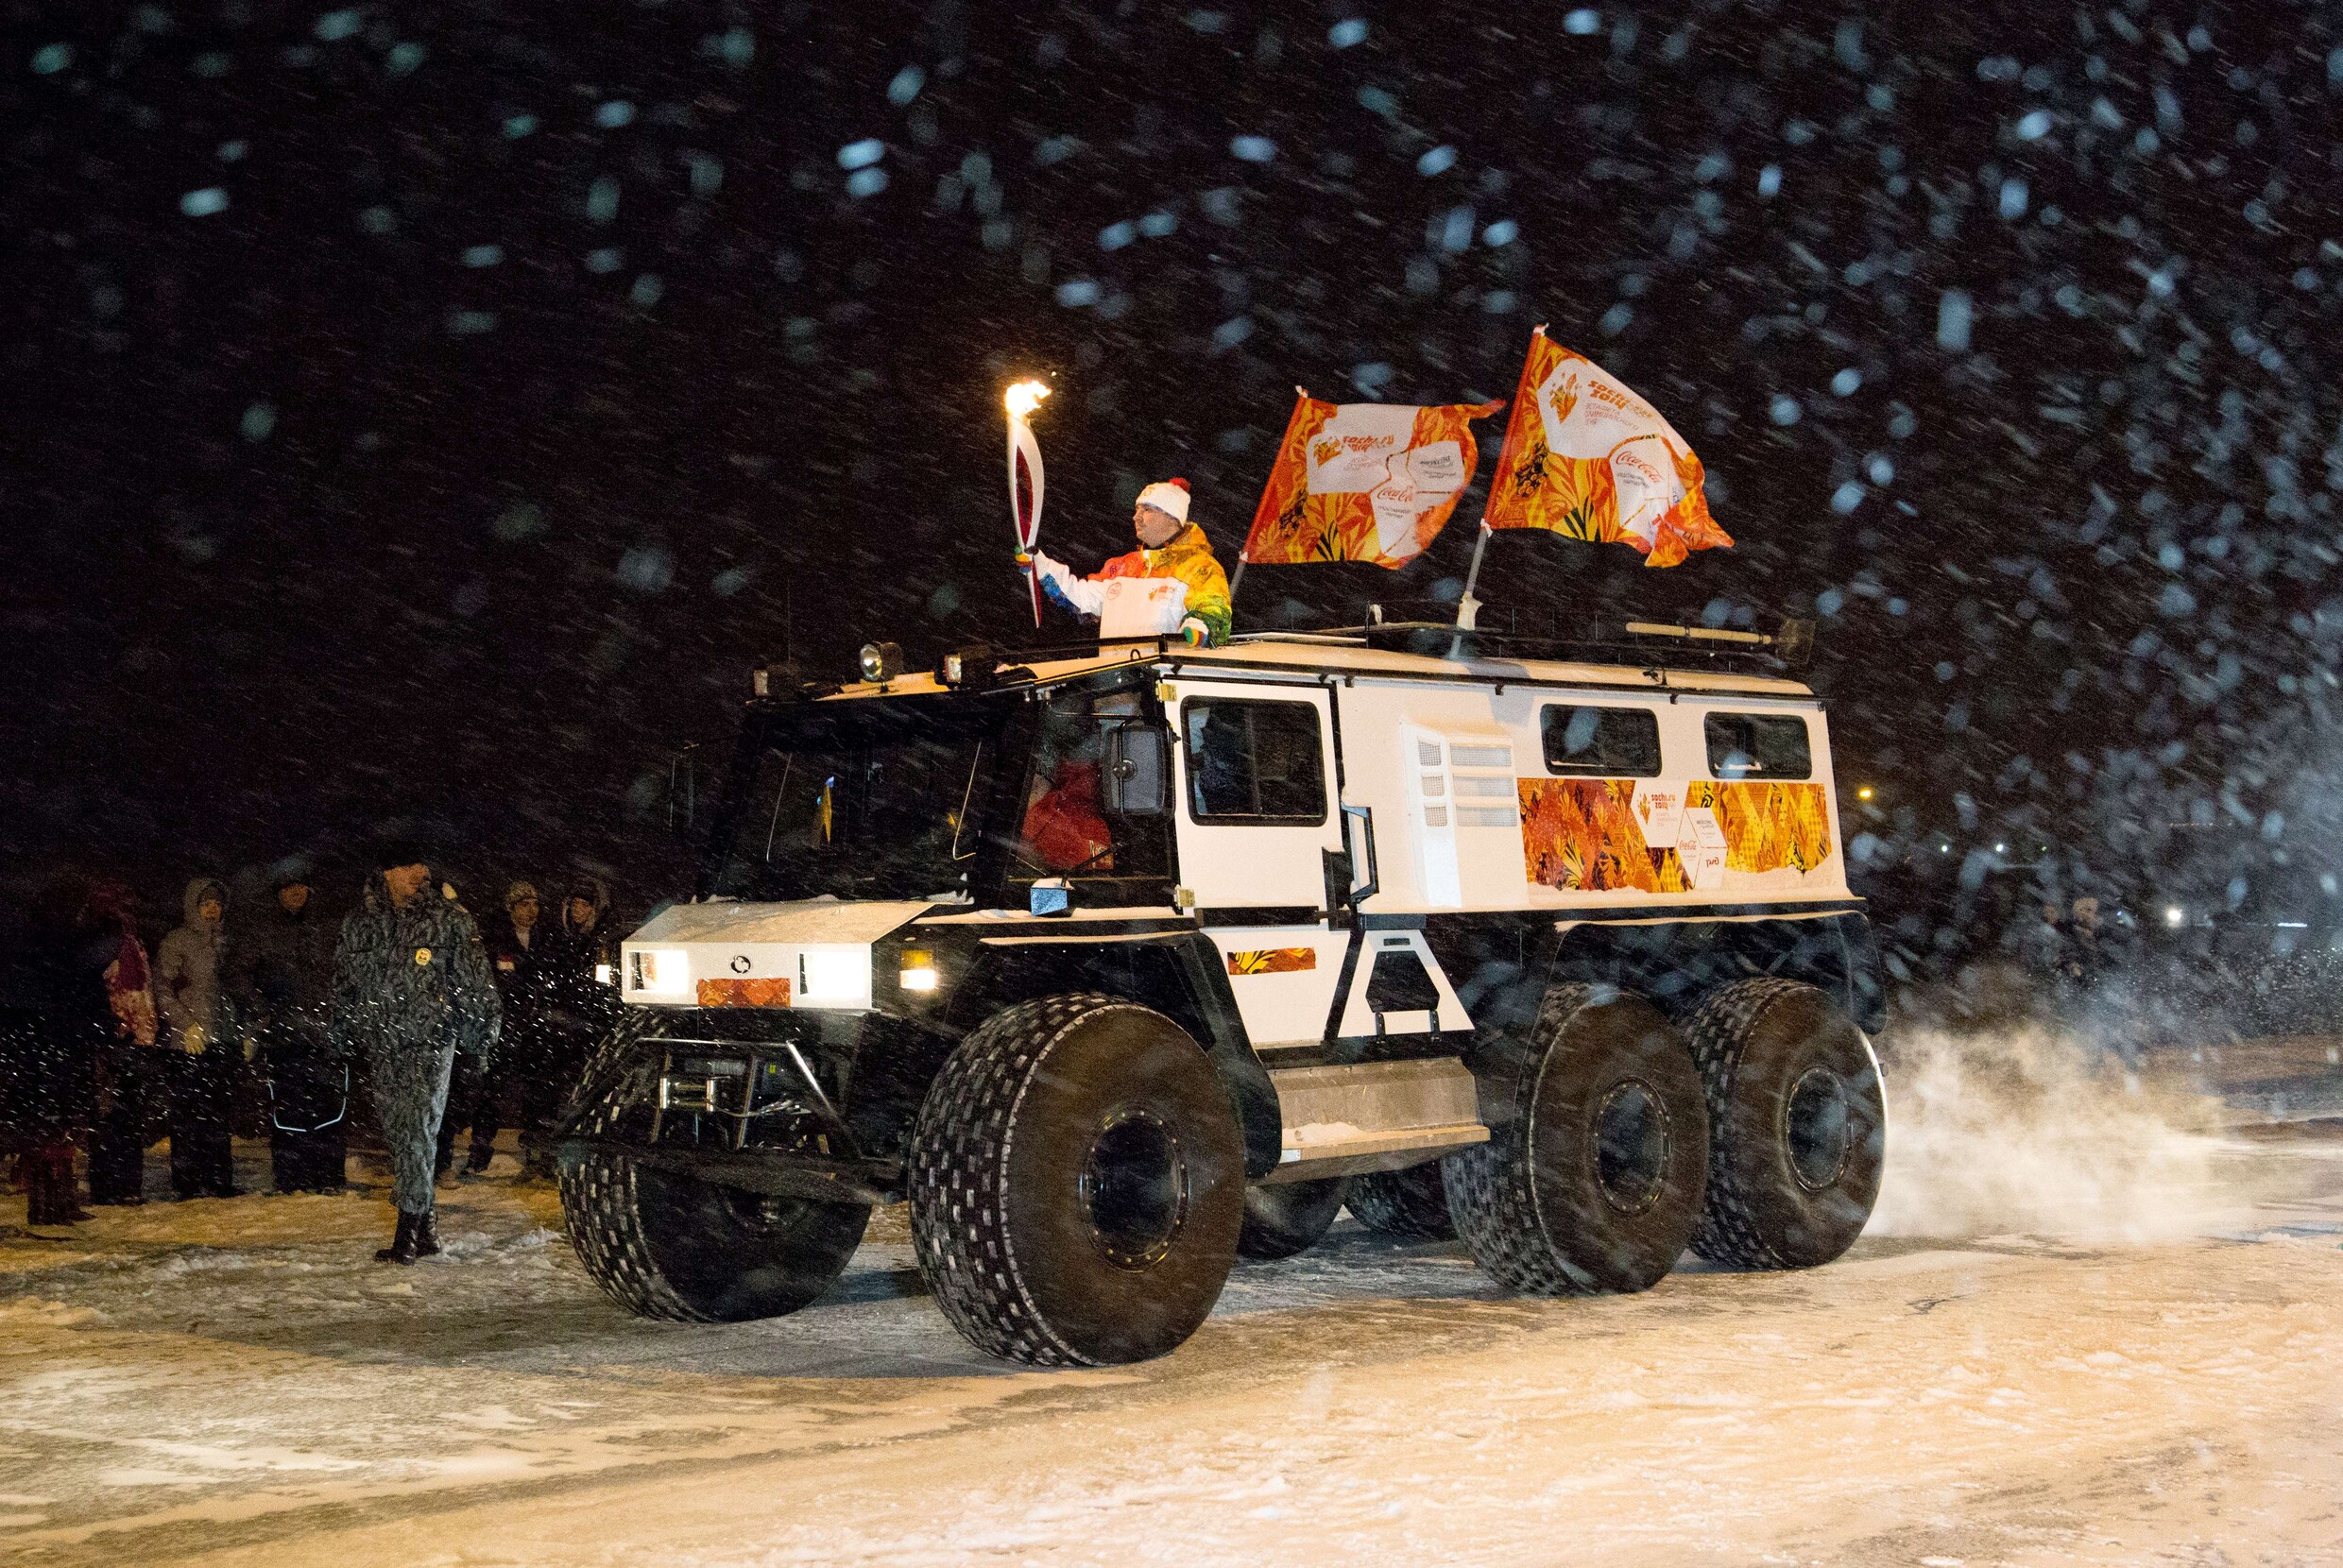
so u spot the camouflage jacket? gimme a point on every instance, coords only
(414, 980)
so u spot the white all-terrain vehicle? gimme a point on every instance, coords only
(1118, 963)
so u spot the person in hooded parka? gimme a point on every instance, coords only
(130, 1064)
(582, 1004)
(281, 975)
(51, 1030)
(203, 1058)
(411, 987)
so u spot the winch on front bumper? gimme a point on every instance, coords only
(753, 1114)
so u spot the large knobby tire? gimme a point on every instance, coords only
(663, 1245)
(1410, 1204)
(1598, 1151)
(1077, 1184)
(1290, 1218)
(1798, 1119)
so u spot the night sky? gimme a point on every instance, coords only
(423, 415)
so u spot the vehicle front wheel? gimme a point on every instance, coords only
(1077, 1184)
(665, 1245)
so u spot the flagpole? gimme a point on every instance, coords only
(1468, 608)
(1525, 400)
(1236, 580)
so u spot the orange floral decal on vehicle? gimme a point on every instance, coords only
(1594, 835)
(1767, 827)
(743, 992)
(1581, 834)
(1273, 961)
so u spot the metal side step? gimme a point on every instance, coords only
(1373, 1116)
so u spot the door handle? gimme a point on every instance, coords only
(1374, 883)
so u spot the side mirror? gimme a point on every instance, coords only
(1138, 771)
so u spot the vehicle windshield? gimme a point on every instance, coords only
(859, 800)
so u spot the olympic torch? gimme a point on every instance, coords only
(1023, 399)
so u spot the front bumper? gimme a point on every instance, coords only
(775, 1172)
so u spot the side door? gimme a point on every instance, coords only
(1258, 822)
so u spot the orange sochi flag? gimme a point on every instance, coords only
(1586, 458)
(1363, 482)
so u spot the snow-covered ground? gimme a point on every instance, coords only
(2103, 1323)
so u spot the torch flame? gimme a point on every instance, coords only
(1025, 396)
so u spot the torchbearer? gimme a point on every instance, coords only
(1170, 585)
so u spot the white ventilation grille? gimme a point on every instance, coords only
(1481, 777)
(1460, 785)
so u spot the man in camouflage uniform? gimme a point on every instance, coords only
(411, 987)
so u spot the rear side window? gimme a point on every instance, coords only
(1254, 762)
(1758, 745)
(1603, 743)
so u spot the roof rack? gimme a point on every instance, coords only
(986, 666)
(1791, 647)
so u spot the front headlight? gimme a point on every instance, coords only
(918, 971)
(659, 971)
(833, 977)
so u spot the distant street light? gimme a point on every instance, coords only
(1864, 792)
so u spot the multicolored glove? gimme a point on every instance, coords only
(1077, 594)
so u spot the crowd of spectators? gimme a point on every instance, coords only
(273, 1017)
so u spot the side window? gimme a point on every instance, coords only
(1095, 799)
(1259, 762)
(1603, 743)
(1758, 745)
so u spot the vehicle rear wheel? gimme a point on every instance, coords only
(1077, 1184)
(1799, 1123)
(1410, 1204)
(1290, 1218)
(1597, 1148)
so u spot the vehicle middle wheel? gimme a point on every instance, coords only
(1289, 1217)
(1598, 1151)
(1410, 1203)
(1077, 1184)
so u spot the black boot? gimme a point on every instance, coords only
(51, 1194)
(426, 1235)
(35, 1176)
(402, 1249)
(481, 1154)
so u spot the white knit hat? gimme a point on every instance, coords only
(1169, 495)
